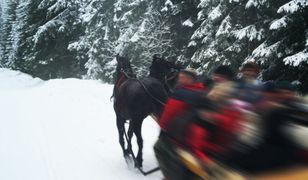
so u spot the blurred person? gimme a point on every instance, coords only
(276, 150)
(205, 128)
(223, 83)
(201, 132)
(250, 88)
(222, 73)
(177, 134)
(187, 90)
(294, 113)
(249, 73)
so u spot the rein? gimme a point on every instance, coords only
(166, 79)
(149, 93)
(119, 82)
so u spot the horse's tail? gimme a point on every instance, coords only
(113, 95)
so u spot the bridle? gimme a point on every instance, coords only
(169, 77)
(123, 76)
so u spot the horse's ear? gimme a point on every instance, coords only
(178, 65)
(118, 58)
(163, 57)
(156, 58)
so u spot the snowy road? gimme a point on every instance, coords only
(63, 130)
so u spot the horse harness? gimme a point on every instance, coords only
(121, 80)
(167, 79)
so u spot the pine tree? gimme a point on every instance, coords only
(151, 35)
(182, 17)
(213, 35)
(70, 38)
(285, 51)
(135, 29)
(1, 35)
(131, 21)
(96, 48)
(59, 26)
(9, 33)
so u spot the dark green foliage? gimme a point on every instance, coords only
(58, 39)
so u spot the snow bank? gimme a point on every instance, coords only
(14, 80)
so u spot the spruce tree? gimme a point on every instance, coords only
(59, 26)
(9, 34)
(95, 49)
(285, 52)
(182, 19)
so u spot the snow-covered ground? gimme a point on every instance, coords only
(63, 129)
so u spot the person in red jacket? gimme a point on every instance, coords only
(183, 125)
(186, 92)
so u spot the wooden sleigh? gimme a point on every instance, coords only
(195, 166)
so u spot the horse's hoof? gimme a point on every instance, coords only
(138, 165)
(130, 162)
(126, 153)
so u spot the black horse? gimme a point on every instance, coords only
(165, 71)
(135, 99)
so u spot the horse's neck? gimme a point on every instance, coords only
(157, 76)
(121, 78)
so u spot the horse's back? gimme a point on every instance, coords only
(140, 97)
(156, 88)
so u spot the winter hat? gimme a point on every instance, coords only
(224, 71)
(190, 72)
(250, 65)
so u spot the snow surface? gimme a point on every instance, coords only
(293, 6)
(63, 129)
(3, 7)
(255, 3)
(215, 13)
(88, 12)
(279, 23)
(204, 3)
(192, 44)
(249, 32)
(297, 58)
(188, 23)
(264, 50)
(224, 27)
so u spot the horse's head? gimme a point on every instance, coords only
(124, 71)
(163, 70)
(160, 68)
(124, 66)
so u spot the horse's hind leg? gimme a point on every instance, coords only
(121, 130)
(130, 135)
(137, 131)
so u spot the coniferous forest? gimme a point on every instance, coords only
(80, 38)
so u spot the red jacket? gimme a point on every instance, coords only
(175, 105)
(202, 142)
